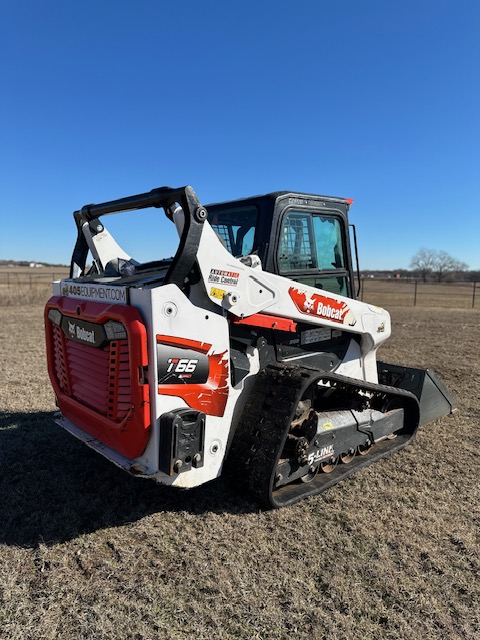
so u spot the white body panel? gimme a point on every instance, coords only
(168, 312)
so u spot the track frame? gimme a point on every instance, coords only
(266, 421)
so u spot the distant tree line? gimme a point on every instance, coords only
(429, 265)
(27, 263)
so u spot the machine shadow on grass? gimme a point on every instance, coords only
(54, 488)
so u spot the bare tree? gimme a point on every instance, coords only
(445, 263)
(423, 262)
(438, 263)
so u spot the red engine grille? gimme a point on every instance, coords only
(98, 378)
(102, 390)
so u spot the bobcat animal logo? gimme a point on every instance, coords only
(309, 305)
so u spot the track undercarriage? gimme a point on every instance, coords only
(303, 431)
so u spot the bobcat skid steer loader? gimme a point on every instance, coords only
(246, 353)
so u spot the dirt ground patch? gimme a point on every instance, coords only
(88, 552)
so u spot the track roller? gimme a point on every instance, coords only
(346, 458)
(329, 465)
(364, 449)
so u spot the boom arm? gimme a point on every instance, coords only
(243, 291)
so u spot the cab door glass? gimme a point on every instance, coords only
(311, 251)
(328, 240)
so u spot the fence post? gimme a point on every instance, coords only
(415, 294)
(473, 295)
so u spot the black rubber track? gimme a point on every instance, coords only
(265, 422)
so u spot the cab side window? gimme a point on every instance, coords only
(236, 228)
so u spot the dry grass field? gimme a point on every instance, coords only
(88, 552)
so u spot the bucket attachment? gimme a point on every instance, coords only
(434, 397)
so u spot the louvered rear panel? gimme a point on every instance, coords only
(98, 378)
(60, 363)
(102, 390)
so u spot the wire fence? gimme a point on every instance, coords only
(30, 277)
(415, 293)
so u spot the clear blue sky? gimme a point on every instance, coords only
(370, 99)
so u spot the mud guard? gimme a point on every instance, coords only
(434, 397)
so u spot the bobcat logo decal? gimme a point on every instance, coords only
(320, 306)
